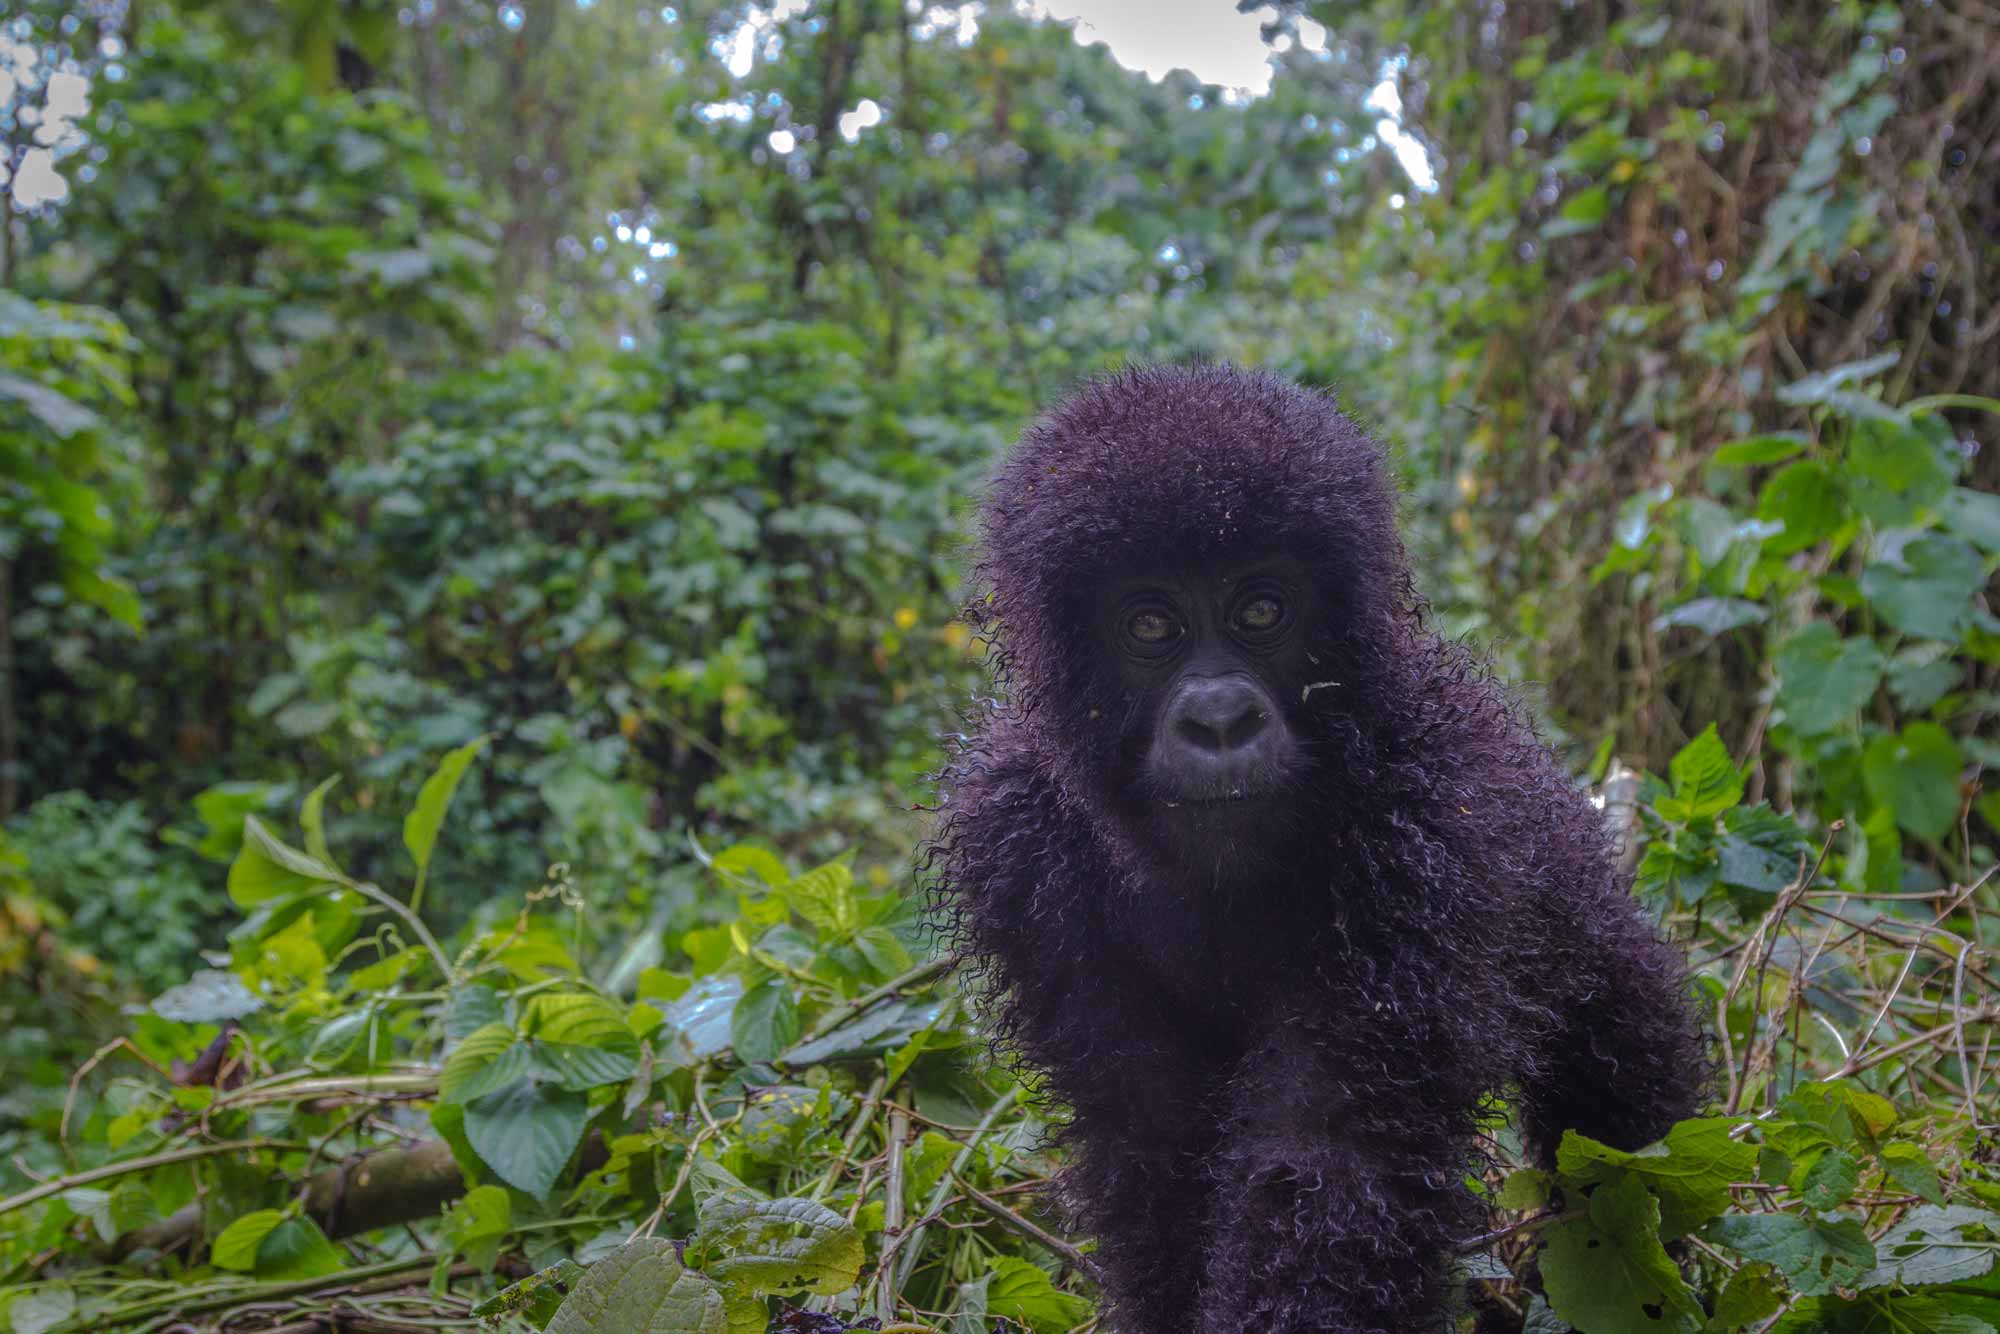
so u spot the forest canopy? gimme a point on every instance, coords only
(483, 502)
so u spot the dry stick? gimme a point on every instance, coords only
(840, 1014)
(1009, 1218)
(223, 1296)
(910, 1245)
(1522, 1228)
(1983, 1014)
(851, 1138)
(131, 1165)
(1767, 931)
(892, 1217)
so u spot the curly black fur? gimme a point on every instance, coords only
(1274, 1095)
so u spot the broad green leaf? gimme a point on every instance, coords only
(765, 1021)
(581, 1040)
(787, 1245)
(1018, 1290)
(39, 1309)
(880, 1030)
(1911, 1168)
(426, 818)
(481, 1062)
(1930, 595)
(236, 1247)
(296, 1248)
(1753, 1294)
(1930, 1246)
(1815, 1255)
(477, 1224)
(748, 861)
(1807, 499)
(1816, 388)
(535, 1298)
(61, 414)
(1759, 450)
(1705, 781)
(1583, 213)
(1823, 679)
(268, 868)
(1915, 774)
(1895, 473)
(209, 997)
(1712, 616)
(526, 1133)
(1921, 674)
(1974, 516)
(1690, 1170)
(472, 1006)
(642, 1288)
(312, 819)
(824, 896)
(1525, 1188)
(1609, 1272)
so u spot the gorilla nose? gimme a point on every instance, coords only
(1220, 713)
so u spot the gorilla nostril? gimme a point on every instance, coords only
(1219, 715)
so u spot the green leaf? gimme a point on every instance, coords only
(477, 1224)
(1897, 474)
(1712, 616)
(1823, 679)
(526, 1133)
(268, 868)
(765, 1021)
(535, 1298)
(787, 1245)
(1909, 1167)
(1815, 1255)
(824, 896)
(482, 1061)
(1759, 450)
(1753, 1294)
(641, 1288)
(1690, 1170)
(1974, 516)
(1930, 595)
(421, 825)
(1526, 1188)
(1583, 213)
(296, 1248)
(1705, 781)
(40, 1308)
(1930, 1246)
(209, 997)
(1915, 774)
(312, 819)
(748, 861)
(1608, 1272)
(1819, 387)
(236, 1247)
(1807, 499)
(62, 415)
(581, 1040)
(1017, 1290)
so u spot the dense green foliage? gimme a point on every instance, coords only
(480, 502)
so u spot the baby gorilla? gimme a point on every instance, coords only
(1275, 885)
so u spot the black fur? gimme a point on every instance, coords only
(1274, 1084)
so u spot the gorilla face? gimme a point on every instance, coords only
(1207, 661)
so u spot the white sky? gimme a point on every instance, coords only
(1209, 38)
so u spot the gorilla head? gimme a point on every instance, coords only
(1195, 578)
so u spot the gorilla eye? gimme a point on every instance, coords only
(1260, 615)
(1153, 628)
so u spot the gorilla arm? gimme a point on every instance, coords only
(1625, 1058)
(1023, 878)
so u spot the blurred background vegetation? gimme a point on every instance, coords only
(613, 381)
